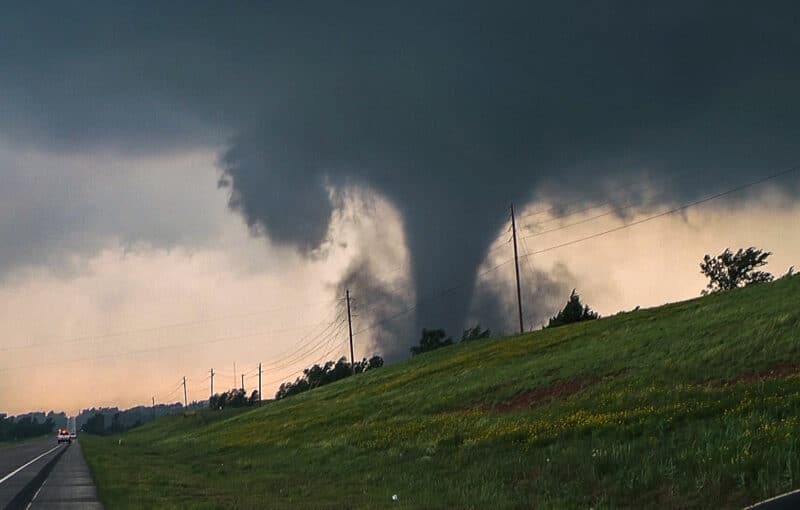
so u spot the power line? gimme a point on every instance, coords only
(409, 284)
(178, 387)
(142, 351)
(329, 338)
(475, 281)
(324, 357)
(671, 211)
(532, 273)
(606, 203)
(581, 222)
(87, 338)
(491, 248)
(304, 344)
(575, 241)
(312, 349)
(689, 172)
(567, 214)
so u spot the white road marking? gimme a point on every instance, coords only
(28, 463)
(779, 496)
(34, 496)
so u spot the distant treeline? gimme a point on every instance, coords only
(112, 420)
(30, 425)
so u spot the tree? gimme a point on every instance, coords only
(367, 364)
(475, 333)
(330, 371)
(116, 424)
(574, 311)
(432, 339)
(235, 397)
(95, 425)
(730, 270)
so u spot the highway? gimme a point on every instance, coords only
(20, 463)
(42, 474)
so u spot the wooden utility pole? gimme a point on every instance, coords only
(516, 269)
(242, 382)
(350, 327)
(259, 383)
(154, 407)
(212, 382)
(185, 396)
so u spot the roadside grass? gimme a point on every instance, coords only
(690, 405)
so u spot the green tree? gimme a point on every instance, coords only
(730, 270)
(95, 425)
(330, 371)
(574, 311)
(116, 424)
(431, 339)
(475, 333)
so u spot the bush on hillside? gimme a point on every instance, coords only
(431, 340)
(475, 333)
(330, 371)
(574, 311)
(236, 397)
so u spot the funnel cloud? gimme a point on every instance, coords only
(449, 111)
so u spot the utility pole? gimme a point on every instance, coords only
(242, 382)
(516, 269)
(350, 327)
(185, 397)
(234, 374)
(154, 407)
(259, 383)
(212, 382)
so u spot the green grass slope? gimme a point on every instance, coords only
(689, 405)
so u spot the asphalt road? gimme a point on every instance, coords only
(67, 484)
(33, 455)
(788, 501)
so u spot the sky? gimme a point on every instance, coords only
(196, 185)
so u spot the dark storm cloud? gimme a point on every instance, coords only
(54, 210)
(450, 109)
(543, 294)
(376, 306)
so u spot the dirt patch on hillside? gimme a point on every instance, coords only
(776, 372)
(557, 389)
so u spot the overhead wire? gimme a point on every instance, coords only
(309, 351)
(303, 345)
(327, 340)
(163, 327)
(431, 296)
(142, 351)
(670, 211)
(324, 357)
(582, 239)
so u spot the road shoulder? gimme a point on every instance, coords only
(69, 485)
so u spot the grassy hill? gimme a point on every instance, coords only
(689, 405)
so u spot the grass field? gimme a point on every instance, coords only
(690, 405)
